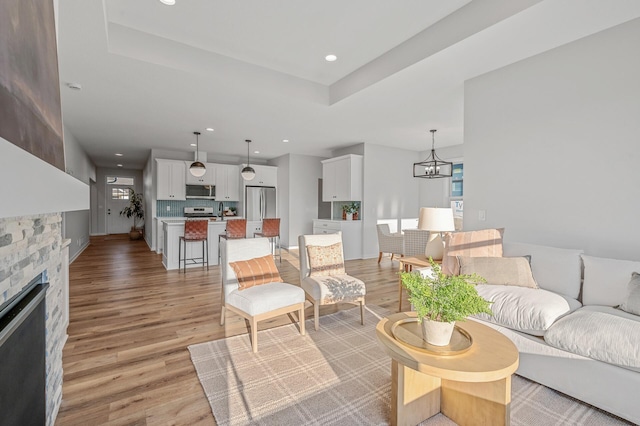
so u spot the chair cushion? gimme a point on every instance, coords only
(524, 309)
(601, 333)
(326, 260)
(499, 270)
(482, 243)
(631, 303)
(256, 271)
(334, 288)
(265, 298)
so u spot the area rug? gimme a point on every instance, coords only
(338, 375)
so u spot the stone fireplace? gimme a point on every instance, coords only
(29, 246)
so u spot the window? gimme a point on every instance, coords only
(457, 187)
(119, 193)
(119, 180)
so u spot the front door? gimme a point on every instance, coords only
(117, 199)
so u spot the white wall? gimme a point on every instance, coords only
(435, 192)
(282, 163)
(551, 146)
(390, 190)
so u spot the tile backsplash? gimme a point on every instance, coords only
(176, 208)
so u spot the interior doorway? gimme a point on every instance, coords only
(118, 193)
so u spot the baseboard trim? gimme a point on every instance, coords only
(75, 256)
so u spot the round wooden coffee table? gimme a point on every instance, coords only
(473, 387)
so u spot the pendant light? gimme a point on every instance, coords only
(248, 173)
(433, 167)
(197, 169)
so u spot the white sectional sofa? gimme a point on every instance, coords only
(570, 335)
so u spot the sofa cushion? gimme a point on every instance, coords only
(631, 303)
(606, 280)
(334, 288)
(326, 260)
(499, 270)
(524, 309)
(265, 298)
(256, 271)
(604, 334)
(482, 243)
(555, 269)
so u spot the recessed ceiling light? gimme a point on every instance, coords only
(192, 144)
(119, 165)
(118, 154)
(74, 86)
(285, 140)
(256, 152)
(209, 129)
(168, 2)
(331, 58)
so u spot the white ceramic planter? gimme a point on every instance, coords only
(437, 333)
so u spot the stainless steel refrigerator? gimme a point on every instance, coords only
(260, 202)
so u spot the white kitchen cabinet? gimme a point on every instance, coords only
(227, 182)
(171, 180)
(351, 235)
(253, 226)
(209, 177)
(265, 176)
(342, 178)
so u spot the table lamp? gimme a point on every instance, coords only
(435, 220)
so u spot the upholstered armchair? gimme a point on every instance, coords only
(322, 274)
(415, 241)
(388, 242)
(252, 287)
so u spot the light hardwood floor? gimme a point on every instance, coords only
(126, 359)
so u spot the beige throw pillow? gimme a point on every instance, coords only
(326, 260)
(631, 303)
(482, 243)
(499, 270)
(252, 272)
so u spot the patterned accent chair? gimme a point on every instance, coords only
(323, 277)
(195, 231)
(258, 302)
(388, 242)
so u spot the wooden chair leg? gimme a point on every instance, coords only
(379, 257)
(316, 315)
(254, 335)
(362, 312)
(392, 257)
(301, 319)
(222, 316)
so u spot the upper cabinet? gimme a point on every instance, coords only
(209, 177)
(342, 178)
(265, 176)
(171, 180)
(227, 182)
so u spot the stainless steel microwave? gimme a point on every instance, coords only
(203, 192)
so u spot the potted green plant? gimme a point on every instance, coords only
(134, 209)
(440, 300)
(354, 207)
(346, 211)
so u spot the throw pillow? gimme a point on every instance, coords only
(482, 243)
(631, 303)
(326, 260)
(256, 271)
(499, 270)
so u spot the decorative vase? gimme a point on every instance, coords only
(349, 216)
(344, 215)
(437, 333)
(355, 215)
(135, 234)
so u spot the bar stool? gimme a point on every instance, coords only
(236, 229)
(271, 230)
(194, 231)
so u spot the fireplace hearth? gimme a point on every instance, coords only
(22, 356)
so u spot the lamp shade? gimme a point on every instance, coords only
(436, 219)
(248, 173)
(197, 169)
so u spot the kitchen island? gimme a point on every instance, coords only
(173, 229)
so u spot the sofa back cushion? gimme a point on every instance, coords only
(554, 269)
(606, 280)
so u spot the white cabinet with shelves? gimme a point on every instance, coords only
(351, 235)
(342, 178)
(227, 182)
(265, 175)
(170, 180)
(209, 177)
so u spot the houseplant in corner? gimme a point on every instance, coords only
(134, 209)
(440, 300)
